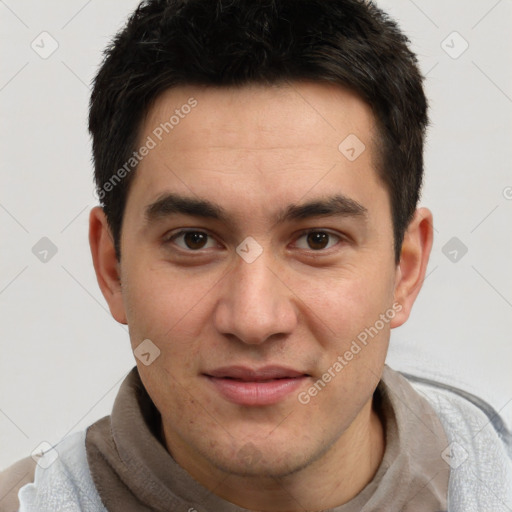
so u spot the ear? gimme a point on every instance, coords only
(412, 267)
(106, 264)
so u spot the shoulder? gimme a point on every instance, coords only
(12, 480)
(60, 480)
(479, 452)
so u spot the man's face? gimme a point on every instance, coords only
(255, 304)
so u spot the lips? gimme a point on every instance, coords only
(255, 387)
(249, 375)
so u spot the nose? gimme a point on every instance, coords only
(255, 304)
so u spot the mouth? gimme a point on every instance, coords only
(250, 387)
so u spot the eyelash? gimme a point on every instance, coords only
(173, 237)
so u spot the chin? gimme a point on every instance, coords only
(261, 460)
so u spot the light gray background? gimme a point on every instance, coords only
(63, 356)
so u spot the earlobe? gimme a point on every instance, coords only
(106, 264)
(413, 263)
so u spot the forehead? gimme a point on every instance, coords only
(257, 116)
(257, 145)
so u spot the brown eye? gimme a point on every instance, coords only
(193, 240)
(317, 240)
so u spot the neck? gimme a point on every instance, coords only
(334, 478)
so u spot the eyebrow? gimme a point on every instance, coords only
(336, 205)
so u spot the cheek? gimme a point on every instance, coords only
(158, 298)
(350, 316)
(345, 301)
(170, 308)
